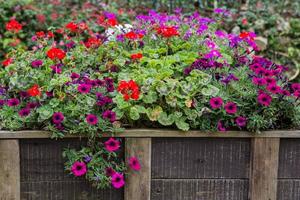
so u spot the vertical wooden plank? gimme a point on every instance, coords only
(264, 168)
(138, 185)
(9, 170)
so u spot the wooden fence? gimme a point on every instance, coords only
(175, 166)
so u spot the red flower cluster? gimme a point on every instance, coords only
(133, 36)
(112, 22)
(71, 26)
(13, 26)
(34, 90)
(129, 90)
(136, 56)
(55, 53)
(167, 31)
(7, 62)
(92, 42)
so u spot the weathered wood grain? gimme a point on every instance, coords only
(9, 170)
(200, 158)
(43, 176)
(264, 168)
(138, 184)
(288, 189)
(160, 133)
(289, 159)
(199, 189)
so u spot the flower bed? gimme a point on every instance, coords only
(172, 71)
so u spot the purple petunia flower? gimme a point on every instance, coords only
(36, 63)
(74, 76)
(91, 119)
(13, 102)
(58, 117)
(2, 102)
(84, 88)
(79, 168)
(102, 100)
(87, 158)
(109, 115)
(24, 112)
(241, 121)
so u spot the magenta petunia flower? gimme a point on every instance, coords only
(241, 121)
(24, 112)
(273, 88)
(264, 99)
(134, 163)
(216, 102)
(36, 63)
(117, 180)
(79, 168)
(2, 102)
(58, 117)
(296, 86)
(297, 94)
(84, 88)
(74, 76)
(270, 81)
(258, 81)
(31, 105)
(221, 127)
(230, 107)
(91, 119)
(112, 145)
(110, 171)
(13, 102)
(109, 115)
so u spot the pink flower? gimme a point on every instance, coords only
(91, 119)
(221, 127)
(296, 86)
(241, 121)
(117, 180)
(110, 172)
(273, 88)
(78, 168)
(231, 108)
(134, 163)
(258, 81)
(84, 88)
(216, 102)
(112, 145)
(264, 99)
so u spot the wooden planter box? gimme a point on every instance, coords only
(175, 166)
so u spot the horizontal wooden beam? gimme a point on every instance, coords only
(161, 133)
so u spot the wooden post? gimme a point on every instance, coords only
(138, 184)
(264, 168)
(9, 170)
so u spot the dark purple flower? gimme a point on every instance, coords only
(84, 88)
(57, 68)
(24, 94)
(110, 171)
(91, 119)
(13, 102)
(2, 102)
(87, 158)
(31, 105)
(221, 126)
(58, 117)
(74, 76)
(109, 115)
(36, 63)
(241, 121)
(24, 112)
(103, 100)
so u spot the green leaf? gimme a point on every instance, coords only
(166, 120)
(45, 112)
(182, 125)
(153, 114)
(150, 97)
(134, 113)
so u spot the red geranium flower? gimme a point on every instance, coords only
(136, 56)
(34, 90)
(72, 26)
(129, 90)
(55, 53)
(92, 42)
(13, 26)
(167, 31)
(7, 62)
(40, 34)
(112, 22)
(133, 36)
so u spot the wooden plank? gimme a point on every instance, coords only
(138, 184)
(200, 158)
(9, 170)
(264, 169)
(288, 189)
(43, 175)
(199, 189)
(289, 159)
(146, 133)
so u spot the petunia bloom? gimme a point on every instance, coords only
(216, 102)
(117, 180)
(24, 112)
(91, 119)
(264, 99)
(134, 163)
(241, 121)
(112, 145)
(84, 88)
(13, 102)
(79, 168)
(230, 107)
(58, 117)
(109, 115)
